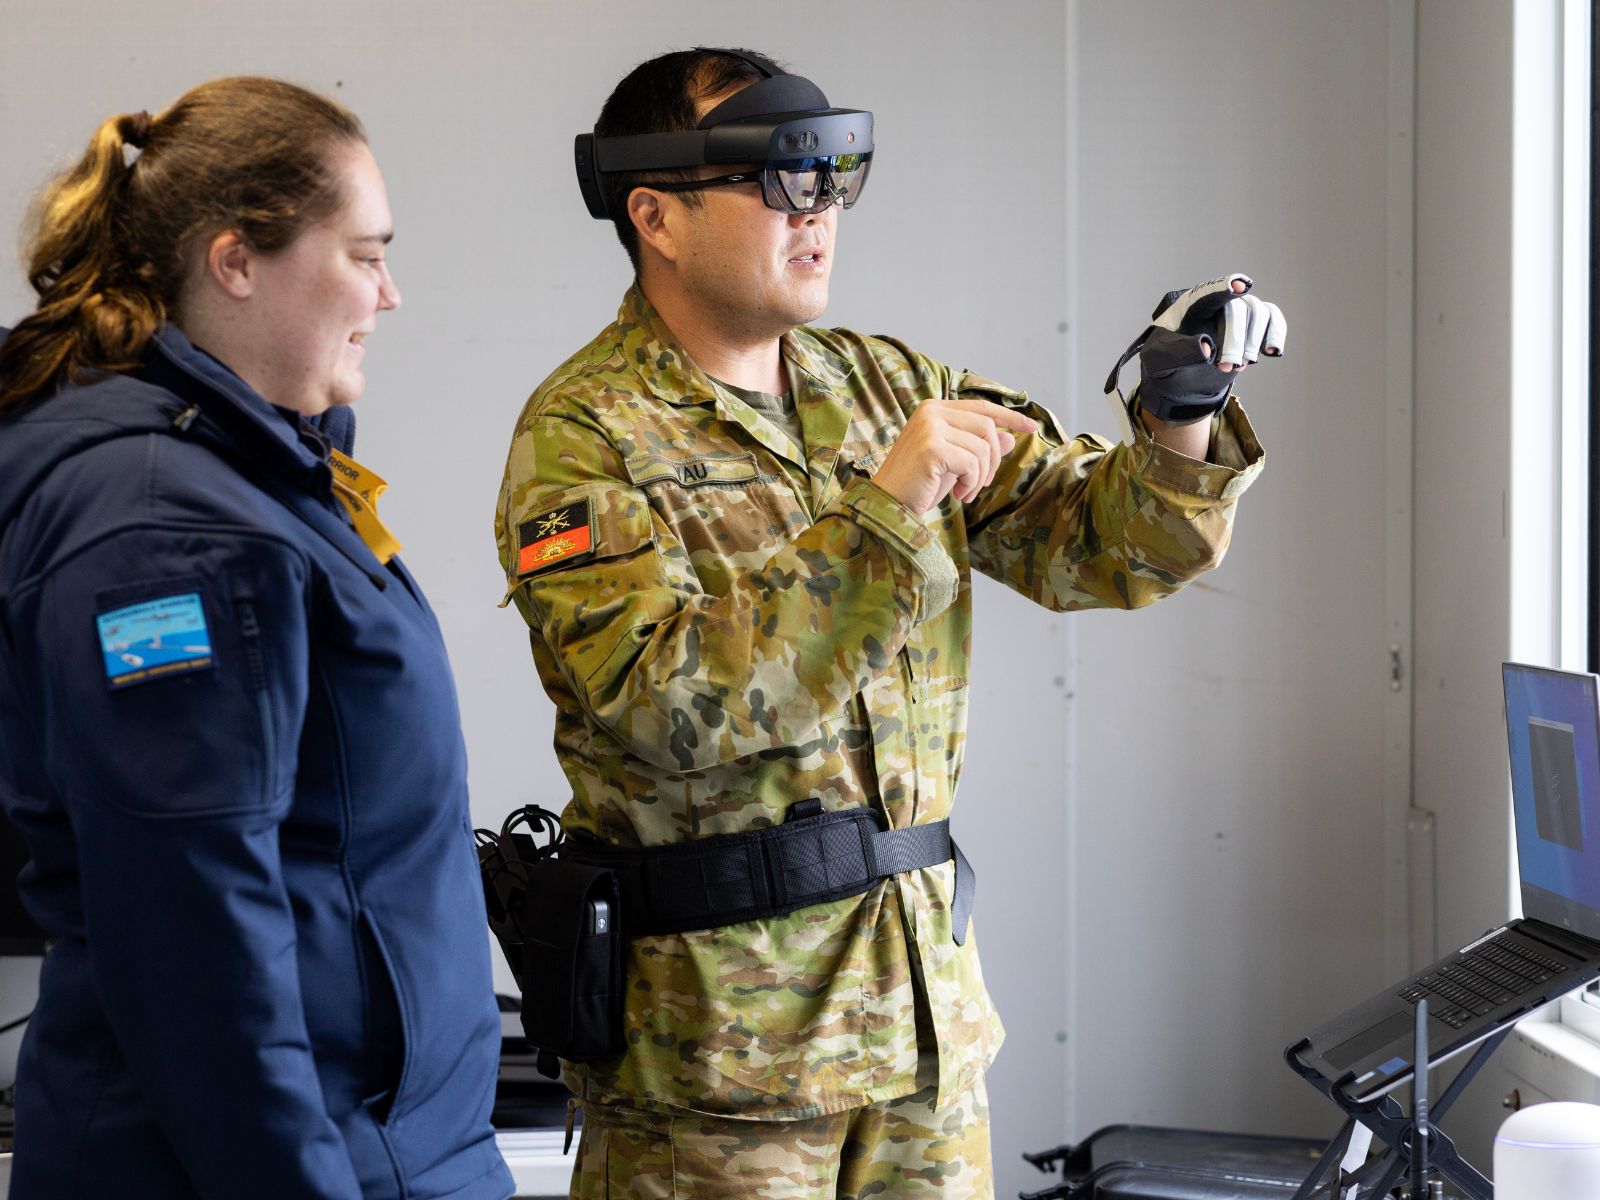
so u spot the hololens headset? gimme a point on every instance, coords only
(811, 155)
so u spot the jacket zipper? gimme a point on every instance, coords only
(256, 664)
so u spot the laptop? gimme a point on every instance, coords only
(1553, 725)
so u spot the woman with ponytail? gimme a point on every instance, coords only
(228, 730)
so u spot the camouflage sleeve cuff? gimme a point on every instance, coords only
(1236, 457)
(908, 535)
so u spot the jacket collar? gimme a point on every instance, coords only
(238, 421)
(233, 416)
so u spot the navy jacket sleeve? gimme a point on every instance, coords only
(177, 760)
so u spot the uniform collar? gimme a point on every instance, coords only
(663, 365)
(823, 394)
(826, 370)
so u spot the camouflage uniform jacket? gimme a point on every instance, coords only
(725, 630)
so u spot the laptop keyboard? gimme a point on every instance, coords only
(1481, 980)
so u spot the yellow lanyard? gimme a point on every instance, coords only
(358, 489)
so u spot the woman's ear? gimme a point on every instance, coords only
(230, 263)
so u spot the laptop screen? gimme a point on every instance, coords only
(1553, 724)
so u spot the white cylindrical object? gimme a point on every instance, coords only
(1549, 1152)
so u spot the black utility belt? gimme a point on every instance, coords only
(812, 858)
(564, 911)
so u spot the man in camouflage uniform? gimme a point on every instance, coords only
(743, 547)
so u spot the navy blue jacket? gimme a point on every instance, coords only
(230, 737)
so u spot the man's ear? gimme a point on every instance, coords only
(649, 211)
(231, 263)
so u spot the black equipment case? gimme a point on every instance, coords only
(1144, 1162)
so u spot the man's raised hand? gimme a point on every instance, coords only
(949, 446)
(1196, 341)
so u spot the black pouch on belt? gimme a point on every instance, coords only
(572, 961)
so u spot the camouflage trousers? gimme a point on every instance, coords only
(904, 1147)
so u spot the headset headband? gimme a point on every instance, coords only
(780, 116)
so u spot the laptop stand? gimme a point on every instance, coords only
(1408, 1152)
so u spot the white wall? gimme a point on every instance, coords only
(1464, 431)
(1229, 793)
(1289, 741)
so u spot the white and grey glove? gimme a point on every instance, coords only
(1191, 336)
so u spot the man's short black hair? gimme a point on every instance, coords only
(659, 96)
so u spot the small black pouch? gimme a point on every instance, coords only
(560, 927)
(572, 960)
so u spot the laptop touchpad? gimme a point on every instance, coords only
(1364, 1043)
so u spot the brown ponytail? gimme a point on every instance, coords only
(110, 239)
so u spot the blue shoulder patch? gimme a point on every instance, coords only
(154, 639)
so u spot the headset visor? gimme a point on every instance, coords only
(808, 185)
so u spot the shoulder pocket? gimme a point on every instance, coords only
(174, 697)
